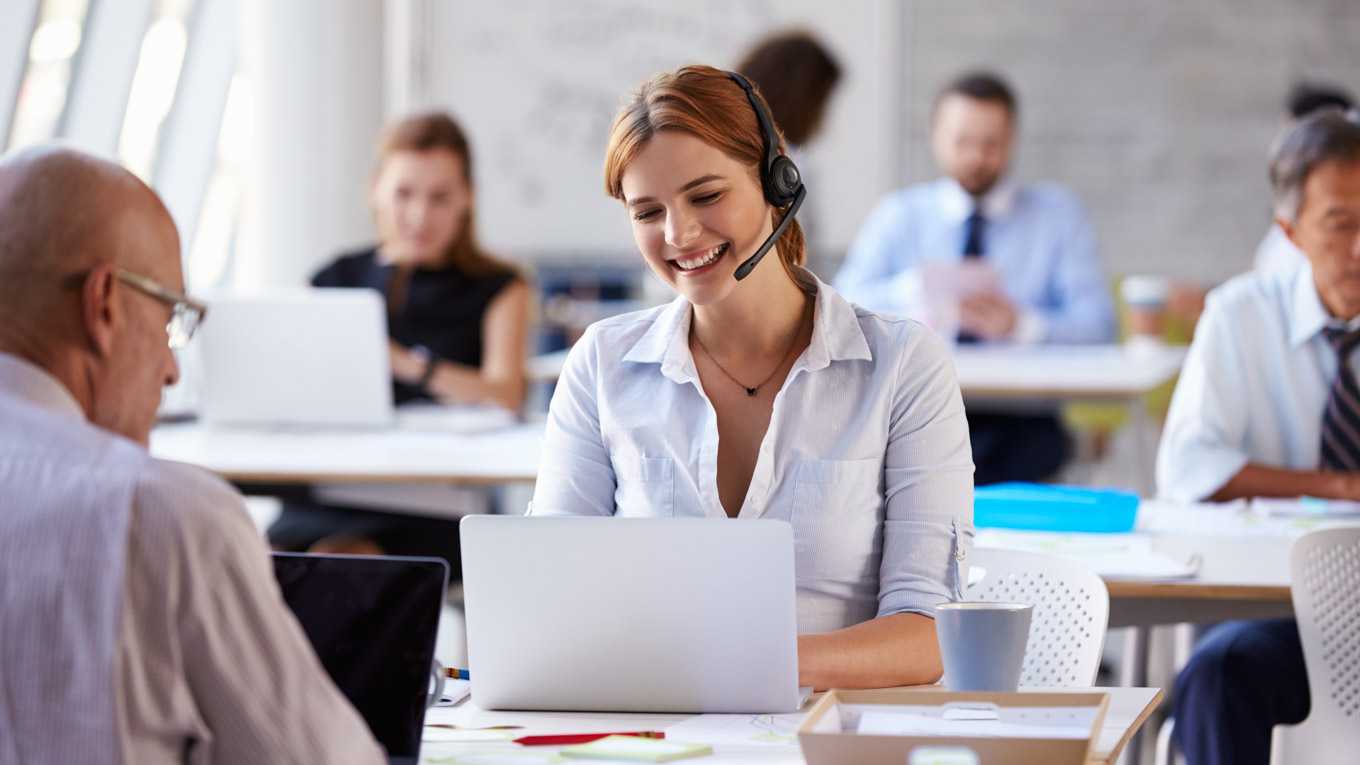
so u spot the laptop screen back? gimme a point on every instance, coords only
(373, 622)
(304, 358)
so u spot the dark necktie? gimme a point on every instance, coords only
(972, 248)
(972, 234)
(1341, 419)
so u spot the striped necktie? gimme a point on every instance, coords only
(1341, 419)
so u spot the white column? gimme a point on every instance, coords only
(17, 20)
(316, 67)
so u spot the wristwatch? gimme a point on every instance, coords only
(426, 355)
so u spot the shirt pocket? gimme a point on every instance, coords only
(645, 487)
(837, 510)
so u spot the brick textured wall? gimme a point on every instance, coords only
(1158, 113)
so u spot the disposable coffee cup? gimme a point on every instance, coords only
(1144, 307)
(982, 644)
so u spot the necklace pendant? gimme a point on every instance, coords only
(750, 391)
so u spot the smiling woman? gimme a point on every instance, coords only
(767, 396)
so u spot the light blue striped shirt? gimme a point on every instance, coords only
(1037, 237)
(866, 454)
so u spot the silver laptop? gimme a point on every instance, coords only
(304, 357)
(631, 614)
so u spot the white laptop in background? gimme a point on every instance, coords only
(631, 614)
(303, 357)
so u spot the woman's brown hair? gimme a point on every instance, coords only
(428, 132)
(709, 105)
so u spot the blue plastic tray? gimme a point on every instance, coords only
(1043, 507)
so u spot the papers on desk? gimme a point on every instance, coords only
(1305, 507)
(991, 722)
(1112, 556)
(774, 730)
(464, 420)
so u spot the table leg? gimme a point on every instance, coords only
(1133, 674)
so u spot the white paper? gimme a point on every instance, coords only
(1012, 722)
(1305, 507)
(1112, 556)
(775, 730)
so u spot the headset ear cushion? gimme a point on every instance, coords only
(784, 182)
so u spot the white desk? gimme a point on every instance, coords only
(379, 456)
(1067, 372)
(1129, 708)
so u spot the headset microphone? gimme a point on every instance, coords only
(780, 180)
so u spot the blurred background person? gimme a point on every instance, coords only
(985, 259)
(458, 321)
(797, 75)
(1276, 251)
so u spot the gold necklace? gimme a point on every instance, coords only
(750, 389)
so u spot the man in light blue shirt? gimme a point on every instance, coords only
(1268, 405)
(983, 259)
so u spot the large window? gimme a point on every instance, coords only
(153, 85)
(51, 58)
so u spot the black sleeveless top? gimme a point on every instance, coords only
(443, 312)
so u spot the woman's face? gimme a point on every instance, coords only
(420, 200)
(697, 214)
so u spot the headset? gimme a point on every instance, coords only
(779, 179)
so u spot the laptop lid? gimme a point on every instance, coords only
(304, 357)
(373, 622)
(631, 614)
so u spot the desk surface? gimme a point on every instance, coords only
(1129, 709)
(356, 456)
(1050, 371)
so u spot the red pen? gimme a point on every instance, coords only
(582, 738)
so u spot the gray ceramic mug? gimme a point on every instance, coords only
(982, 644)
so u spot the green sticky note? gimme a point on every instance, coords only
(636, 749)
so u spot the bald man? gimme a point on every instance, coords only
(139, 618)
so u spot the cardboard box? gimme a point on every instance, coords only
(826, 738)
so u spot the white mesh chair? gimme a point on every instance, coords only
(1071, 612)
(1324, 580)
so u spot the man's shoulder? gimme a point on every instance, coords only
(1051, 196)
(188, 502)
(1252, 293)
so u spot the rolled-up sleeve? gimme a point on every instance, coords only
(1203, 443)
(928, 470)
(575, 474)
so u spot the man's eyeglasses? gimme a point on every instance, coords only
(188, 313)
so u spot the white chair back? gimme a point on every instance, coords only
(1071, 612)
(1324, 581)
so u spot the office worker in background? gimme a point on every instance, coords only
(142, 621)
(986, 259)
(1268, 406)
(1275, 250)
(796, 75)
(761, 393)
(458, 321)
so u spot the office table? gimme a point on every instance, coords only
(287, 456)
(1129, 709)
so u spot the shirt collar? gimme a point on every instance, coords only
(836, 336)
(956, 204)
(1307, 315)
(27, 381)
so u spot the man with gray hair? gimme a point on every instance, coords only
(1268, 406)
(139, 618)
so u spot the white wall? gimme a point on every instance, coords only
(536, 83)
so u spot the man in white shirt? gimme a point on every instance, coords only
(983, 259)
(1268, 406)
(139, 618)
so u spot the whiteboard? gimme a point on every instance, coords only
(536, 84)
